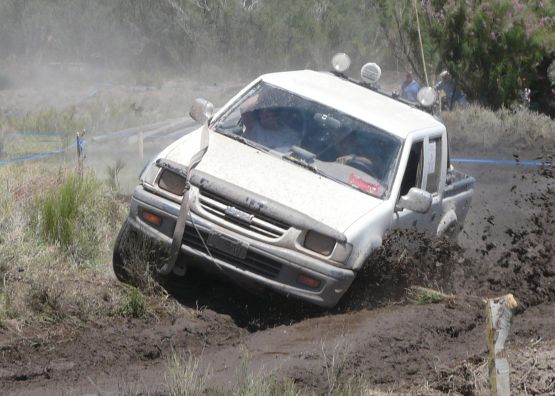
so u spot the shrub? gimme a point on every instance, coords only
(135, 304)
(79, 214)
(488, 46)
(518, 128)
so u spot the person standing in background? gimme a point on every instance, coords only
(410, 88)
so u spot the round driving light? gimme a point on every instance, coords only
(340, 62)
(427, 96)
(370, 73)
(208, 110)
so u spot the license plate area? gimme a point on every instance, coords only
(229, 245)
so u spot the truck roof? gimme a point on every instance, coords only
(365, 104)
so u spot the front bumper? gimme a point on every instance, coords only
(265, 264)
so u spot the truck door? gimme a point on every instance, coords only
(423, 170)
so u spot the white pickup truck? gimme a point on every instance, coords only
(294, 183)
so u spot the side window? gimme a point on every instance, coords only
(413, 172)
(433, 166)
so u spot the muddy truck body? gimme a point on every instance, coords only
(297, 204)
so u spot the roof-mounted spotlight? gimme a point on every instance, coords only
(370, 73)
(426, 96)
(340, 62)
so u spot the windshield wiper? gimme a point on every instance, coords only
(302, 163)
(240, 138)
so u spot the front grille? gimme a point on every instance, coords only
(259, 224)
(254, 262)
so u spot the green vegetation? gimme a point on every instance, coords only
(181, 35)
(490, 47)
(56, 269)
(186, 377)
(135, 305)
(47, 121)
(76, 214)
(478, 126)
(423, 295)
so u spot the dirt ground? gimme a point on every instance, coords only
(376, 331)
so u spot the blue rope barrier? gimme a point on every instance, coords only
(82, 143)
(501, 162)
(42, 134)
(40, 155)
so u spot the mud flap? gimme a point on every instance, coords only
(448, 220)
(184, 210)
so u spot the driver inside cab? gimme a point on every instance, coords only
(264, 124)
(349, 146)
(350, 149)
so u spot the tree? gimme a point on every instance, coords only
(488, 46)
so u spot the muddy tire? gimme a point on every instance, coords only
(118, 262)
(136, 258)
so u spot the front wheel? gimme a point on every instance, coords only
(118, 260)
(137, 258)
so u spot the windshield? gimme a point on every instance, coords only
(314, 136)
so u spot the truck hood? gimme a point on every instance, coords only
(331, 203)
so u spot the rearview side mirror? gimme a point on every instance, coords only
(416, 200)
(201, 110)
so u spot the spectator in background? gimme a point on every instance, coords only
(410, 88)
(451, 95)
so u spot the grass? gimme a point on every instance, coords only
(424, 296)
(185, 376)
(47, 121)
(77, 214)
(57, 229)
(56, 239)
(481, 127)
(135, 305)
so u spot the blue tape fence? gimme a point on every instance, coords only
(48, 154)
(501, 162)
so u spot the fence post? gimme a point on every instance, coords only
(80, 153)
(499, 312)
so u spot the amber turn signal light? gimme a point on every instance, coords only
(152, 218)
(308, 281)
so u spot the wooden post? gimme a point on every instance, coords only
(80, 153)
(499, 312)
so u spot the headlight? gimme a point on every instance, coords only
(172, 182)
(319, 243)
(149, 173)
